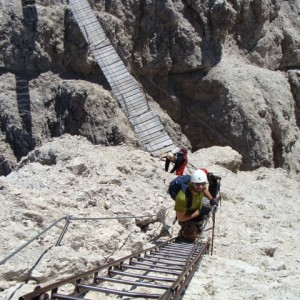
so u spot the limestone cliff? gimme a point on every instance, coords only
(226, 71)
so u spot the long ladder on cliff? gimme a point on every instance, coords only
(125, 87)
(160, 272)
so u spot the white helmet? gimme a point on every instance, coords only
(170, 155)
(199, 176)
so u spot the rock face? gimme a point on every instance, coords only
(122, 191)
(224, 78)
(225, 71)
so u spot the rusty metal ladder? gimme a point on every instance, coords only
(160, 272)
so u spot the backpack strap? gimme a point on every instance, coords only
(185, 188)
(188, 194)
(189, 197)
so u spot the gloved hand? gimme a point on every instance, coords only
(204, 211)
(214, 202)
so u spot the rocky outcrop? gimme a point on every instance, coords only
(250, 108)
(52, 106)
(225, 71)
(122, 193)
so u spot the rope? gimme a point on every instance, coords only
(68, 219)
(110, 218)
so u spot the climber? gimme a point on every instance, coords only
(178, 158)
(169, 157)
(190, 213)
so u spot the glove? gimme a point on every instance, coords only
(203, 211)
(214, 202)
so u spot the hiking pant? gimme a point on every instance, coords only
(192, 228)
(180, 171)
(167, 164)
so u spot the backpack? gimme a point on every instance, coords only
(181, 183)
(214, 184)
(182, 153)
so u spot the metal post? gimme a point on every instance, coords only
(213, 232)
(165, 228)
(68, 219)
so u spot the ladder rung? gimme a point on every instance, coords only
(156, 266)
(151, 269)
(162, 262)
(131, 282)
(118, 292)
(142, 276)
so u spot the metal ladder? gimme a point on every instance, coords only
(160, 272)
(125, 87)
